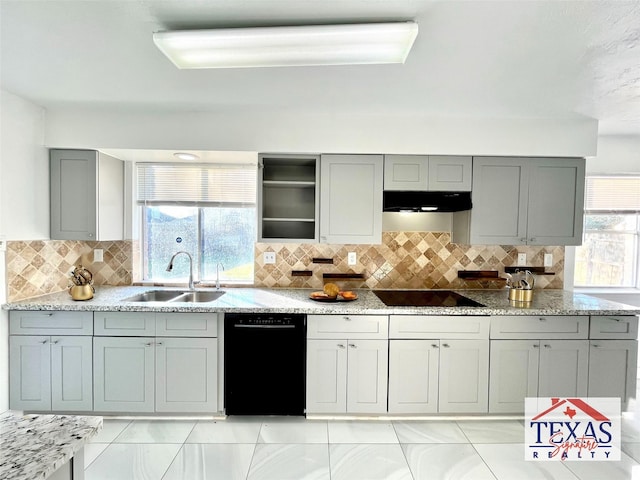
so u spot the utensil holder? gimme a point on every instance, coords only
(520, 294)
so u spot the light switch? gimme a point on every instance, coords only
(548, 260)
(522, 259)
(97, 255)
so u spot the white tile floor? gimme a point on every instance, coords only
(283, 448)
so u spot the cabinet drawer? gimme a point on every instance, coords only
(124, 324)
(614, 327)
(438, 326)
(50, 323)
(186, 324)
(348, 326)
(549, 326)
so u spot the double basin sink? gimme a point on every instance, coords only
(198, 296)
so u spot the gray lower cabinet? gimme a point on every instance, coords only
(536, 368)
(347, 376)
(445, 376)
(613, 369)
(50, 360)
(50, 373)
(174, 371)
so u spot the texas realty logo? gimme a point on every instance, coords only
(575, 429)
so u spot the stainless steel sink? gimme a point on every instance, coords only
(198, 296)
(175, 296)
(154, 296)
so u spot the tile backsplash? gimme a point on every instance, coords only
(403, 260)
(38, 267)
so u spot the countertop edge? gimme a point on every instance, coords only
(263, 300)
(36, 445)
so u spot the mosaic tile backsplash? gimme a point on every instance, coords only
(404, 260)
(39, 267)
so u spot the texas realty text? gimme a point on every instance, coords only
(576, 429)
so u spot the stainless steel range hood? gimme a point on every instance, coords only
(420, 201)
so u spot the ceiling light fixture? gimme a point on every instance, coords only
(185, 156)
(366, 43)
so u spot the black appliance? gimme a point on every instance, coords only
(424, 298)
(264, 364)
(416, 201)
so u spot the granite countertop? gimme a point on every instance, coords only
(272, 300)
(32, 447)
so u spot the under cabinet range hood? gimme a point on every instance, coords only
(421, 201)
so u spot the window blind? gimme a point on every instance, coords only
(196, 184)
(612, 194)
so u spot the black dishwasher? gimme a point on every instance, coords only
(264, 364)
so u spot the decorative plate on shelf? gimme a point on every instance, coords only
(346, 296)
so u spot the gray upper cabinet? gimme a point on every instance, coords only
(406, 172)
(288, 198)
(524, 201)
(449, 173)
(87, 201)
(443, 173)
(351, 199)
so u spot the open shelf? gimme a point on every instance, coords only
(288, 197)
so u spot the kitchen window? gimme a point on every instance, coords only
(207, 210)
(610, 253)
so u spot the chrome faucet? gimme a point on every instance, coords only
(170, 267)
(218, 276)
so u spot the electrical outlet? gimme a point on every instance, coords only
(97, 255)
(548, 260)
(269, 258)
(522, 259)
(351, 258)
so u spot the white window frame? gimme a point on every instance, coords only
(570, 251)
(199, 203)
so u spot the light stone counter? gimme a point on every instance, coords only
(32, 447)
(545, 302)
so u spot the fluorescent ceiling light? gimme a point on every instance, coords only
(369, 43)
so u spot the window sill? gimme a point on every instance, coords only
(612, 290)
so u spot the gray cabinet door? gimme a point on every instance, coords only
(367, 376)
(613, 369)
(71, 374)
(29, 372)
(464, 376)
(499, 195)
(187, 375)
(74, 194)
(123, 370)
(406, 172)
(556, 201)
(513, 374)
(564, 368)
(450, 173)
(413, 376)
(351, 199)
(326, 376)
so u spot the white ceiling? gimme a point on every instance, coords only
(508, 59)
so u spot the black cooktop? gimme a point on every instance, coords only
(424, 298)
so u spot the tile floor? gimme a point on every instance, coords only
(292, 448)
